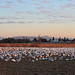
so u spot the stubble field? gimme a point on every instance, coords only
(25, 67)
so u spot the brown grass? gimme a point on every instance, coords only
(36, 45)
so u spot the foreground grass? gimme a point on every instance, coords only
(25, 67)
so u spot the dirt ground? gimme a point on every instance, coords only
(24, 67)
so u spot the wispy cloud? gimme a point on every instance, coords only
(37, 4)
(45, 10)
(5, 7)
(21, 1)
(45, 1)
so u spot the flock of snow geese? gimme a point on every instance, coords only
(16, 54)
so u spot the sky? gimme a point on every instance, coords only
(34, 17)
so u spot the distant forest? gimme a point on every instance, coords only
(39, 40)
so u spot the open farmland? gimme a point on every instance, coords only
(24, 67)
(37, 61)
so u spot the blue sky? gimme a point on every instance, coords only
(27, 13)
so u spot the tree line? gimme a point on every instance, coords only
(35, 40)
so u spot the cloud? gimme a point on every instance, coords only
(65, 16)
(70, 0)
(33, 0)
(20, 12)
(40, 7)
(11, 18)
(45, 11)
(21, 1)
(45, 1)
(38, 10)
(1, 22)
(4, 7)
(29, 12)
(30, 22)
(37, 4)
(9, 2)
(68, 5)
(12, 22)
(21, 22)
(4, 18)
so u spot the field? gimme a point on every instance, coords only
(37, 61)
(36, 45)
(25, 67)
